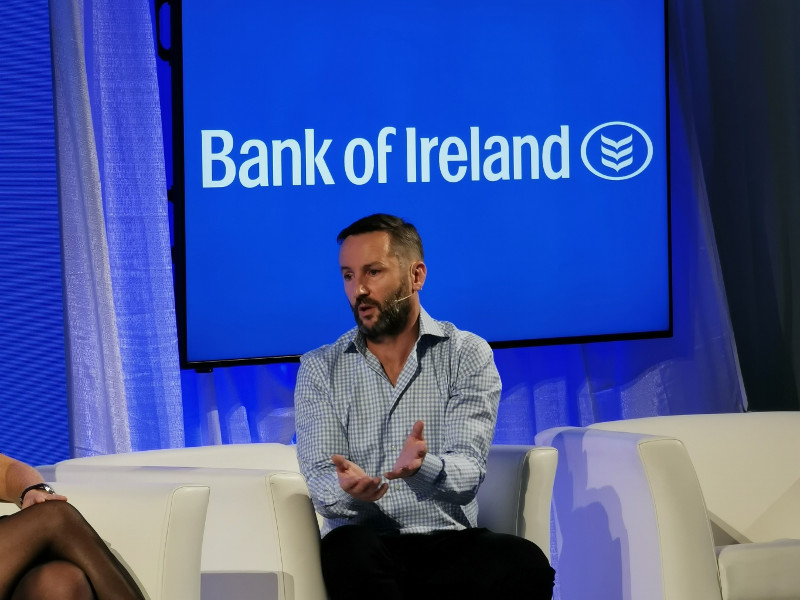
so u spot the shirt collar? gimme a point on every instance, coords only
(428, 326)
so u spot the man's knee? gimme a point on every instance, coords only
(517, 567)
(356, 563)
(523, 552)
(348, 537)
(349, 545)
(537, 574)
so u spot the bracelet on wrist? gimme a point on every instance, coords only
(36, 486)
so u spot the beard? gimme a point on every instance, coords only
(392, 318)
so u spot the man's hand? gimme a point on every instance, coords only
(355, 482)
(412, 454)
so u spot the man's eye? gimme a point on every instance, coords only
(374, 272)
(348, 276)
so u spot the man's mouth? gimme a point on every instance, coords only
(366, 309)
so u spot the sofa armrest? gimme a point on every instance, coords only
(298, 535)
(515, 496)
(258, 522)
(630, 518)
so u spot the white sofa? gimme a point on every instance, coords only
(262, 536)
(679, 508)
(156, 530)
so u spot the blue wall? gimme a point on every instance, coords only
(33, 402)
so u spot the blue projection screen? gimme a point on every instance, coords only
(526, 140)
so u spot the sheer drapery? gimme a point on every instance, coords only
(121, 345)
(746, 98)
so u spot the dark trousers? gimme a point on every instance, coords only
(472, 563)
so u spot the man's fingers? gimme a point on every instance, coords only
(353, 480)
(359, 486)
(381, 491)
(416, 431)
(352, 485)
(367, 488)
(378, 492)
(397, 473)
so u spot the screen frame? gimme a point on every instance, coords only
(178, 197)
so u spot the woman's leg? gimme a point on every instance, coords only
(55, 530)
(56, 580)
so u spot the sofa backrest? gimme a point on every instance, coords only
(263, 456)
(748, 466)
(513, 499)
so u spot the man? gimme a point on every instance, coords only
(394, 424)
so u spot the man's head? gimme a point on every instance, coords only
(405, 240)
(382, 269)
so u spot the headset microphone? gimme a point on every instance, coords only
(404, 298)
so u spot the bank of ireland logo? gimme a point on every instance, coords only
(616, 150)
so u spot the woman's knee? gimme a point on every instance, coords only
(55, 580)
(56, 514)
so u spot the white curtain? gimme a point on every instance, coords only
(121, 343)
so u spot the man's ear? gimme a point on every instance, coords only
(418, 273)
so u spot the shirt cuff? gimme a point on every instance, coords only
(428, 475)
(343, 505)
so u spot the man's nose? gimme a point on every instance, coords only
(357, 287)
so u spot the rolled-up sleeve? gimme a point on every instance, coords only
(455, 474)
(320, 435)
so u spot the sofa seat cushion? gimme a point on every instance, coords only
(760, 571)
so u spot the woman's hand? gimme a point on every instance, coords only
(39, 496)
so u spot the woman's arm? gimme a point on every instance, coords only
(16, 477)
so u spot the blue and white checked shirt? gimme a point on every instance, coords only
(345, 404)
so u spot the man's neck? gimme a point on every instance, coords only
(393, 351)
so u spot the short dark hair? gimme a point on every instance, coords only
(404, 237)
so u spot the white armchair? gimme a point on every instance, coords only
(679, 508)
(262, 536)
(156, 530)
(515, 496)
(261, 539)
